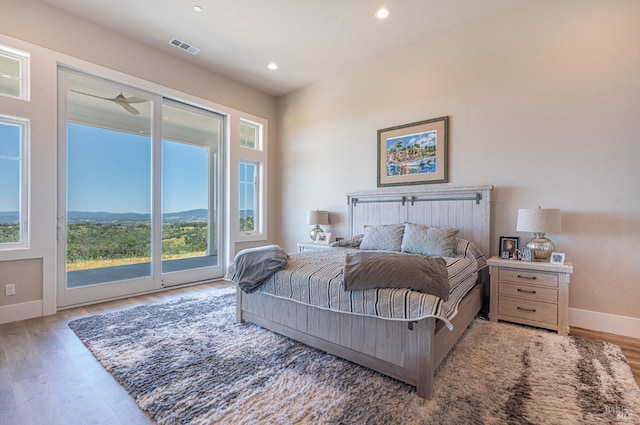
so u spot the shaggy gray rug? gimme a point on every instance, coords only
(187, 361)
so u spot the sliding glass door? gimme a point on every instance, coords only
(138, 191)
(190, 230)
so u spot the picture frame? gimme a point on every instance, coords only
(415, 153)
(323, 238)
(557, 258)
(508, 246)
(526, 254)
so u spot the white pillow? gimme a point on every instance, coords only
(432, 241)
(384, 237)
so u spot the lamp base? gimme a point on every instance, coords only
(542, 247)
(315, 231)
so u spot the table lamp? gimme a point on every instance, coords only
(539, 221)
(317, 218)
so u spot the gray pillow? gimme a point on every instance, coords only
(432, 241)
(352, 242)
(384, 237)
(368, 270)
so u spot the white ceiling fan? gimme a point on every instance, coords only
(120, 100)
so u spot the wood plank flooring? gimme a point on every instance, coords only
(48, 377)
(630, 346)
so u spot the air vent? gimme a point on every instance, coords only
(184, 46)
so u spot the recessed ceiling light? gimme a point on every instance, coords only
(197, 8)
(272, 66)
(382, 13)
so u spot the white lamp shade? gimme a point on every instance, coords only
(539, 220)
(317, 217)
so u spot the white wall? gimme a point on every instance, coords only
(544, 104)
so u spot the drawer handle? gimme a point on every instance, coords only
(526, 277)
(532, 310)
(526, 291)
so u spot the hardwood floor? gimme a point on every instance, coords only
(630, 346)
(48, 377)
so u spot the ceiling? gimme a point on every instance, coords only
(308, 39)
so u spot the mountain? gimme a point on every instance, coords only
(76, 217)
(7, 217)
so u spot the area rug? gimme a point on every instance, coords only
(188, 362)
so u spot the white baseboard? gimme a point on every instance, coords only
(604, 322)
(23, 311)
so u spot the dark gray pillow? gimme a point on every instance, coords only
(369, 269)
(383, 237)
(425, 240)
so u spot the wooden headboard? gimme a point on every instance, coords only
(467, 208)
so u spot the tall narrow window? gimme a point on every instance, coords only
(14, 73)
(14, 136)
(248, 197)
(252, 165)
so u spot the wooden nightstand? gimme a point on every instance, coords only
(535, 294)
(311, 246)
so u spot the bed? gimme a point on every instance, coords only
(407, 347)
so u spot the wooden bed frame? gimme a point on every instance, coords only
(408, 351)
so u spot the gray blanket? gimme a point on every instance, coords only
(383, 269)
(251, 267)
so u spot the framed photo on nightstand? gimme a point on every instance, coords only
(323, 238)
(557, 258)
(508, 246)
(526, 254)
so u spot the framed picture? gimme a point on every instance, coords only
(526, 254)
(508, 246)
(557, 258)
(323, 238)
(415, 153)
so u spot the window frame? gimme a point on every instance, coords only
(24, 241)
(258, 157)
(24, 60)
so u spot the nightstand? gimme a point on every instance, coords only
(530, 293)
(311, 246)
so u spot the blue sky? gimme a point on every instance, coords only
(9, 168)
(420, 139)
(111, 171)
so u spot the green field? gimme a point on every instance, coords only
(9, 233)
(115, 244)
(90, 244)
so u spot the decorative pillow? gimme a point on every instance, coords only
(368, 270)
(384, 237)
(432, 241)
(352, 242)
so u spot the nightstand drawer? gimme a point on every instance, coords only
(528, 310)
(529, 277)
(535, 293)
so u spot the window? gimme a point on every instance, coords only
(249, 135)
(250, 164)
(14, 73)
(248, 197)
(14, 137)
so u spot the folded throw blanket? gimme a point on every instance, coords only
(376, 269)
(251, 267)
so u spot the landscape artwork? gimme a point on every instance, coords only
(413, 153)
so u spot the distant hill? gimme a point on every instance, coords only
(7, 217)
(76, 217)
